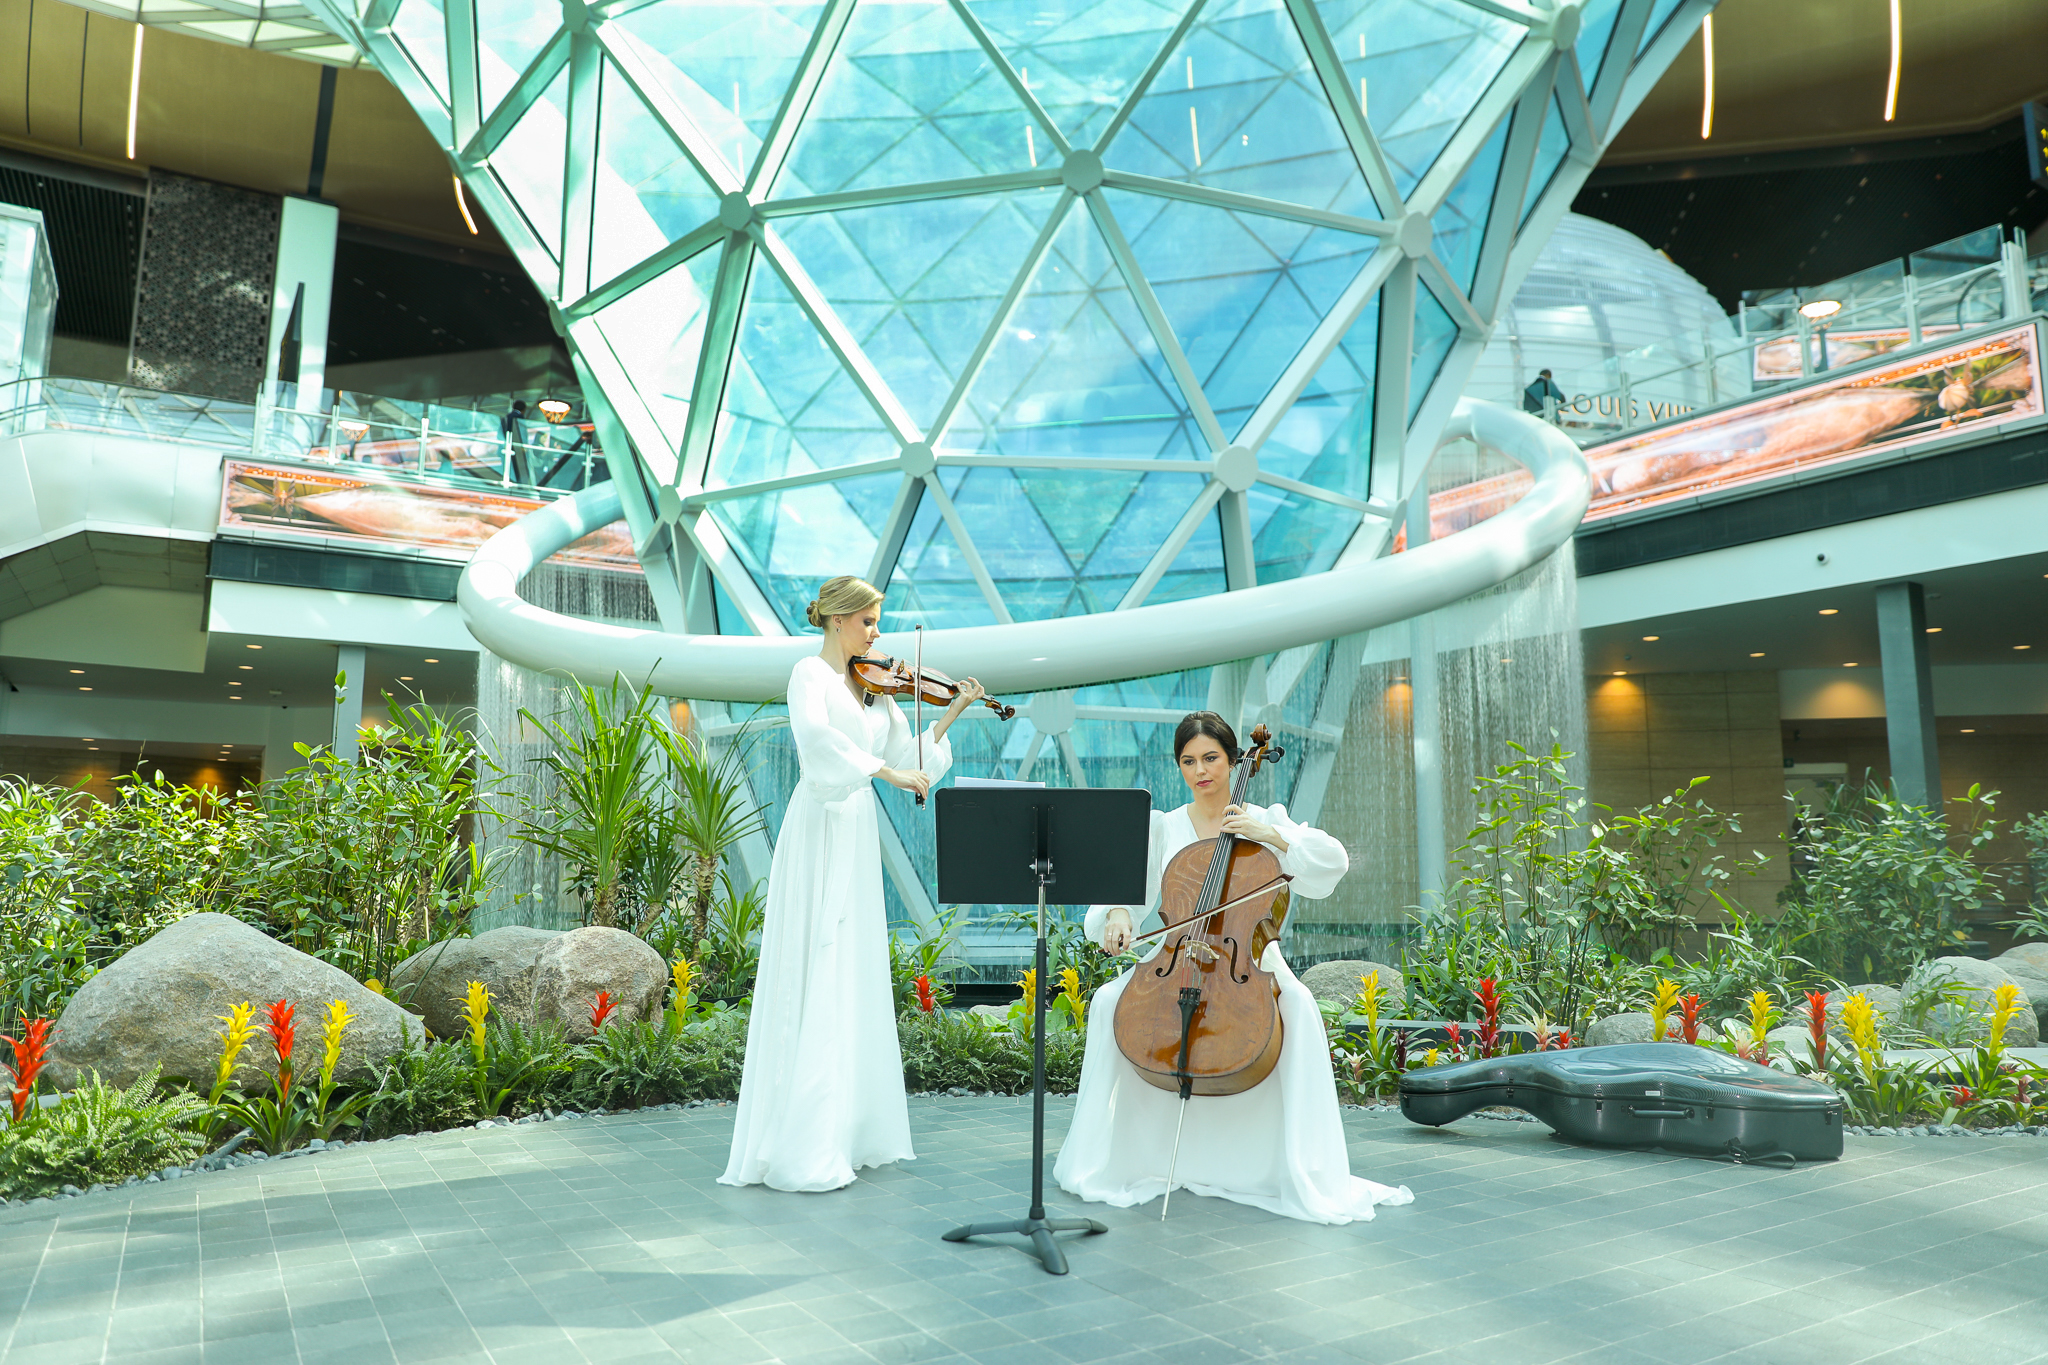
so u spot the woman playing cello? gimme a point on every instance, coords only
(1279, 1145)
(822, 1092)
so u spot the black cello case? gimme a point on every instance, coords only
(1663, 1095)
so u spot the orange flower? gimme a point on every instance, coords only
(1689, 1017)
(29, 1054)
(925, 1000)
(1817, 1024)
(282, 1035)
(602, 1010)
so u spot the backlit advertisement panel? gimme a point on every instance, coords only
(329, 505)
(1978, 384)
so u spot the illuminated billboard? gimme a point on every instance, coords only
(1988, 382)
(336, 504)
(1778, 358)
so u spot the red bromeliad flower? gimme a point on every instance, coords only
(1489, 1028)
(282, 1035)
(1689, 1017)
(926, 1001)
(1564, 1039)
(1817, 1022)
(602, 1010)
(1961, 1095)
(1456, 1035)
(29, 1053)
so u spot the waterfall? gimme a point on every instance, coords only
(527, 884)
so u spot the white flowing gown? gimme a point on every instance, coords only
(1278, 1146)
(822, 1092)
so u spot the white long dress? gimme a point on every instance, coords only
(822, 1093)
(1278, 1146)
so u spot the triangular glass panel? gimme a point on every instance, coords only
(1293, 535)
(1019, 552)
(790, 408)
(1238, 106)
(1417, 69)
(731, 620)
(1078, 506)
(910, 97)
(799, 537)
(531, 160)
(1550, 150)
(919, 283)
(932, 583)
(1596, 26)
(1326, 437)
(656, 334)
(1142, 525)
(1079, 58)
(1660, 14)
(728, 65)
(1461, 222)
(1435, 333)
(423, 33)
(509, 35)
(647, 194)
(1075, 371)
(1243, 291)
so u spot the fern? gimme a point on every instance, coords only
(100, 1134)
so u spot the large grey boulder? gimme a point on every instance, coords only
(434, 980)
(2027, 964)
(1339, 982)
(160, 1003)
(577, 965)
(1966, 1017)
(1634, 1027)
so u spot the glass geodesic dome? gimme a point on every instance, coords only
(1023, 308)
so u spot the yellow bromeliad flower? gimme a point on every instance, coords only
(2005, 1003)
(1759, 1019)
(683, 974)
(374, 984)
(1369, 998)
(233, 1038)
(476, 1006)
(1429, 1057)
(1661, 1005)
(1070, 987)
(338, 1018)
(1028, 983)
(1861, 1021)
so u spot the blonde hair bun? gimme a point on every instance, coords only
(842, 596)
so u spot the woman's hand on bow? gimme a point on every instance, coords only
(1116, 931)
(913, 780)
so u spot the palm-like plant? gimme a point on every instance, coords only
(600, 764)
(714, 809)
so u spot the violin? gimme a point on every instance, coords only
(1202, 1017)
(886, 677)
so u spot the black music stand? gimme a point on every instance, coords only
(1001, 846)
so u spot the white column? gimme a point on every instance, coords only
(304, 280)
(350, 663)
(1425, 723)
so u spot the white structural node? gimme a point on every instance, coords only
(1042, 656)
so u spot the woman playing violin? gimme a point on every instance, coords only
(822, 1092)
(1278, 1146)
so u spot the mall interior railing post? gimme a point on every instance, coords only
(424, 432)
(1912, 284)
(1707, 358)
(1804, 330)
(2012, 258)
(1628, 404)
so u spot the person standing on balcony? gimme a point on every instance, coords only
(822, 1092)
(1540, 394)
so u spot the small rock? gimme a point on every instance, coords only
(317, 1145)
(1338, 982)
(1633, 1027)
(72, 1189)
(174, 1173)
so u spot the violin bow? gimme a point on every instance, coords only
(917, 702)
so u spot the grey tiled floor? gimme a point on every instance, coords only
(608, 1241)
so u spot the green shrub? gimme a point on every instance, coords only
(99, 1134)
(421, 1090)
(948, 1048)
(633, 1064)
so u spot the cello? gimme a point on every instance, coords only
(1202, 1017)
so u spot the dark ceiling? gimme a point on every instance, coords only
(95, 233)
(1787, 219)
(396, 297)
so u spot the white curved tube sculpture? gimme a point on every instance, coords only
(1043, 656)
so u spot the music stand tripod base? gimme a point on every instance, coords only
(1136, 823)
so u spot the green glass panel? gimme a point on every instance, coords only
(1242, 290)
(790, 408)
(1293, 535)
(1596, 27)
(919, 283)
(797, 538)
(1078, 506)
(1435, 333)
(1461, 222)
(1660, 15)
(910, 97)
(932, 583)
(1551, 147)
(531, 159)
(646, 193)
(423, 32)
(1142, 525)
(728, 65)
(1080, 58)
(1417, 68)
(1238, 106)
(656, 334)
(509, 35)
(1014, 542)
(1326, 437)
(1075, 370)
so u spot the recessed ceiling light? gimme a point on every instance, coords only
(85, 689)
(246, 668)
(236, 697)
(1820, 308)
(430, 661)
(1653, 637)
(252, 646)
(1830, 611)
(1758, 655)
(403, 678)
(1849, 665)
(2022, 646)
(78, 670)
(1620, 672)
(1969, 732)
(1934, 630)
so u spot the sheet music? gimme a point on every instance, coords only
(992, 782)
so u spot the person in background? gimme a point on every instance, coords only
(1544, 387)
